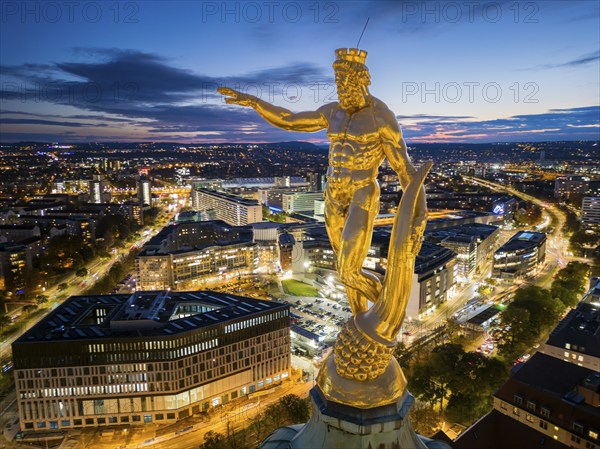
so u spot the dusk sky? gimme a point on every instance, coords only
(148, 71)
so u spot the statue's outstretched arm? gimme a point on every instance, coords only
(309, 121)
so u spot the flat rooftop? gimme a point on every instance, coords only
(151, 313)
(580, 329)
(478, 230)
(498, 431)
(226, 196)
(523, 240)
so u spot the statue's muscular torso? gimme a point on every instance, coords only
(356, 149)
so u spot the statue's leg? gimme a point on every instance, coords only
(355, 244)
(335, 217)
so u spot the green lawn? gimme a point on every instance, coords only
(296, 288)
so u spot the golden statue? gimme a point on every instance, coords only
(363, 131)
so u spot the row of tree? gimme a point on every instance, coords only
(290, 409)
(535, 310)
(117, 272)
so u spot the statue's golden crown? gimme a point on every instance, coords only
(351, 54)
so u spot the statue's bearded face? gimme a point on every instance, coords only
(350, 88)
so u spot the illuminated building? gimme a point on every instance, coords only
(300, 201)
(552, 400)
(520, 256)
(316, 181)
(433, 280)
(590, 212)
(567, 186)
(14, 263)
(149, 357)
(273, 196)
(576, 339)
(231, 209)
(96, 190)
(286, 246)
(144, 192)
(196, 255)
(472, 243)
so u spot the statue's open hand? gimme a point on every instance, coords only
(235, 97)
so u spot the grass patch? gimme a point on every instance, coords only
(297, 288)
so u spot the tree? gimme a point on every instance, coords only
(403, 355)
(29, 308)
(433, 380)
(519, 335)
(424, 419)
(275, 415)
(465, 408)
(81, 272)
(214, 440)
(596, 265)
(544, 310)
(259, 427)
(295, 409)
(63, 286)
(423, 385)
(4, 321)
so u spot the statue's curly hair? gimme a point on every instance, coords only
(358, 71)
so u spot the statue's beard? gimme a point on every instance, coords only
(351, 98)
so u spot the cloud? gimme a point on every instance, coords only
(556, 124)
(577, 62)
(29, 121)
(143, 89)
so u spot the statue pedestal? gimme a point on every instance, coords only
(337, 426)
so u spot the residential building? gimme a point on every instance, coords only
(15, 261)
(231, 209)
(144, 191)
(96, 192)
(590, 212)
(546, 400)
(576, 339)
(567, 186)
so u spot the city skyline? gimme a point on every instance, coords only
(451, 72)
